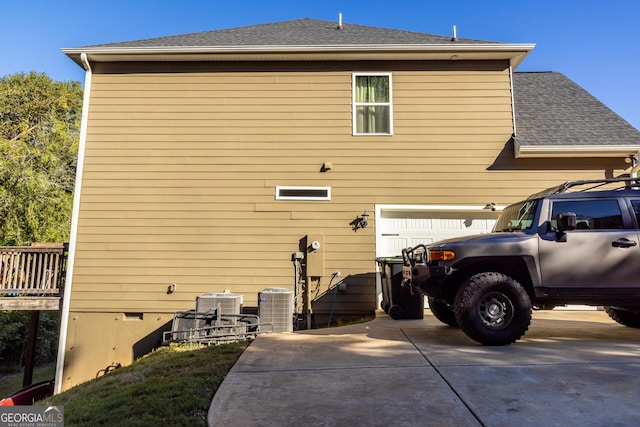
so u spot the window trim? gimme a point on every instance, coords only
(279, 189)
(389, 104)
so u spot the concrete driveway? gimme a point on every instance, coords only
(571, 368)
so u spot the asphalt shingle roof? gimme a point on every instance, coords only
(552, 110)
(300, 32)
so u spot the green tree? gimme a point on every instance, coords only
(13, 338)
(39, 134)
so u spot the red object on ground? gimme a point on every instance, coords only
(7, 402)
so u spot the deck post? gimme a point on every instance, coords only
(30, 354)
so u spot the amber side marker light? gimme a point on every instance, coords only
(441, 255)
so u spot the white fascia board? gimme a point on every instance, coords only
(301, 48)
(541, 151)
(514, 53)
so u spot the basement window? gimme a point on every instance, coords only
(303, 193)
(133, 316)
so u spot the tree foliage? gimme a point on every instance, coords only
(39, 134)
(13, 338)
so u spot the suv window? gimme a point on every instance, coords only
(517, 217)
(636, 210)
(601, 214)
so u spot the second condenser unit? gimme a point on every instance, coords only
(275, 306)
(225, 302)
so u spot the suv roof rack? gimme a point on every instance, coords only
(563, 188)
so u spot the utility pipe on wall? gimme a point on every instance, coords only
(635, 165)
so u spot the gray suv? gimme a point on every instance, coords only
(576, 243)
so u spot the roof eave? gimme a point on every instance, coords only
(546, 151)
(514, 53)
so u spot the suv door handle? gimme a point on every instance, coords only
(623, 243)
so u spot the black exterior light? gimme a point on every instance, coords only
(360, 222)
(364, 220)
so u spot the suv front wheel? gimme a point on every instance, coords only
(493, 309)
(442, 312)
(624, 317)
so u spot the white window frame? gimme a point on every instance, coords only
(355, 104)
(279, 189)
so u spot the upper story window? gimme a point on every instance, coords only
(372, 109)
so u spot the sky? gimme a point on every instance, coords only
(595, 43)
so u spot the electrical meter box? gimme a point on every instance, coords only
(315, 255)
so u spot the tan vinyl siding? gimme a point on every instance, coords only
(182, 161)
(181, 169)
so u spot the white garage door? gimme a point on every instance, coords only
(400, 228)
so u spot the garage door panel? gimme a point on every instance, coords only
(420, 241)
(400, 229)
(393, 246)
(420, 223)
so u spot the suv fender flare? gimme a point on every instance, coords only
(523, 268)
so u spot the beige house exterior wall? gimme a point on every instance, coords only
(182, 162)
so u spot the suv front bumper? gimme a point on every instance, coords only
(429, 278)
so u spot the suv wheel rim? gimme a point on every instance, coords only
(496, 310)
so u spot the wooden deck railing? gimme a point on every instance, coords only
(37, 270)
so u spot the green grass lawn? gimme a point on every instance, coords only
(172, 386)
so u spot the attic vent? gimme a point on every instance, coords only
(303, 193)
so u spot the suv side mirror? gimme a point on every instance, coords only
(565, 221)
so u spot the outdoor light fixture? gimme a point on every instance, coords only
(361, 221)
(364, 220)
(326, 167)
(632, 160)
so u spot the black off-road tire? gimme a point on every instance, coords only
(624, 317)
(493, 309)
(442, 312)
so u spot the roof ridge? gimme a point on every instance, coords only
(302, 31)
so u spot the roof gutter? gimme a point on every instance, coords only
(301, 48)
(66, 299)
(542, 151)
(515, 53)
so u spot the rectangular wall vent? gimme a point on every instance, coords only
(303, 193)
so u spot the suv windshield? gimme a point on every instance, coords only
(517, 217)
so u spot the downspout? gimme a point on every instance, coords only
(66, 298)
(635, 165)
(513, 103)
